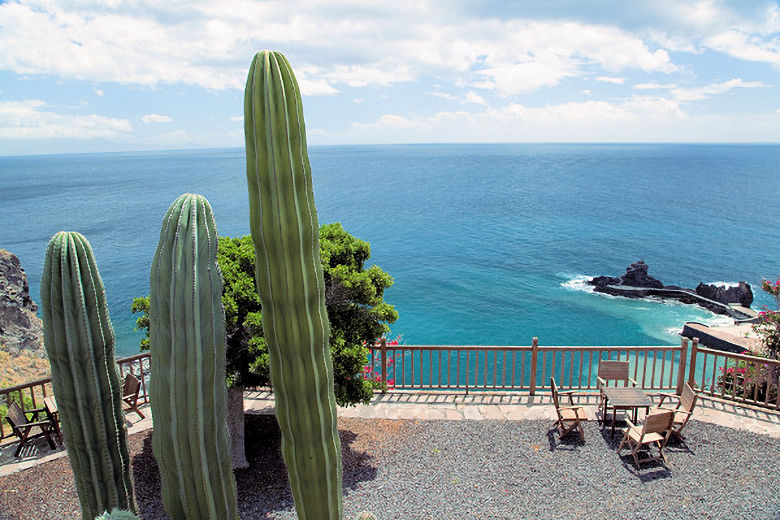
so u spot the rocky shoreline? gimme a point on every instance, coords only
(636, 283)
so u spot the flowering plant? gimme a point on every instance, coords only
(748, 380)
(768, 326)
(373, 371)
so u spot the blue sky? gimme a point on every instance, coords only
(112, 75)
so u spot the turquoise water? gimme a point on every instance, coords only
(488, 244)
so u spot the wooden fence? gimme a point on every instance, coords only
(734, 377)
(30, 395)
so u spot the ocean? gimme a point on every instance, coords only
(487, 244)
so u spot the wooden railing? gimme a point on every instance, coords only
(30, 395)
(528, 368)
(735, 377)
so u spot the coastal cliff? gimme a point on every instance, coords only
(22, 356)
(636, 283)
(21, 330)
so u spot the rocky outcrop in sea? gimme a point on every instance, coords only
(636, 283)
(21, 330)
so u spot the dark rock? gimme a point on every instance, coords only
(636, 276)
(21, 330)
(636, 283)
(741, 294)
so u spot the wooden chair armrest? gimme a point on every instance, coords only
(600, 382)
(566, 392)
(680, 411)
(36, 423)
(632, 381)
(630, 424)
(665, 396)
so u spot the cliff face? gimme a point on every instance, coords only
(21, 330)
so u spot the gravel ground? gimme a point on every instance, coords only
(469, 470)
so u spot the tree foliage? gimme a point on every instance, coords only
(355, 302)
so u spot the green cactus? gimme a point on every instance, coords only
(79, 341)
(117, 514)
(285, 232)
(188, 388)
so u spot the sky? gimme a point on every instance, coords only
(113, 75)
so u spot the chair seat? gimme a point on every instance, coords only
(636, 434)
(574, 414)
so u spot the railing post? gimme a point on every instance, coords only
(534, 352)
(692, 369)
(681, 365)
(383, 351)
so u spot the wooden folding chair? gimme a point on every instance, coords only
(130, 390)
(570, 417)
(655, 430)
(611, 371)
(27, 429)
(686, 402)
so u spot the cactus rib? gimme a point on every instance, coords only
(188, 390)
(285, 232)
(79, 341)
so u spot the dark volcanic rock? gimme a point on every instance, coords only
(21, 331)
(636, 283)
(741, 294)
(636, 276)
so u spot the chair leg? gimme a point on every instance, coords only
(22, 441)
(634, 452)
(622, 442)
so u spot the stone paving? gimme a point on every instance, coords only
(432, 406)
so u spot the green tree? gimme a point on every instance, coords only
(357, 312)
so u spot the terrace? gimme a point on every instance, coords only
(466, 432)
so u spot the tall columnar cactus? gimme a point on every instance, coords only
(79, 340)
(188, 388)
(285, 232)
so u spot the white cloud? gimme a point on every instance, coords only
(155, 118)
(352, 45)
(358, 100)
(473, 97)
(237, 118)
(99, 92)
(698, 93)
(609, 79)
(443, 95)
(654, 86)
(586, 91)
(34, 119)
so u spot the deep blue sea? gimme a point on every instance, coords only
(488, 244)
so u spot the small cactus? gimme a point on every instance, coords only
(285, 232)
(117, 514)
(188, 390)
(79, 341)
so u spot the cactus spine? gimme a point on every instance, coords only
(285, 232)
(188, 388)
(117, 514)
(79, 341)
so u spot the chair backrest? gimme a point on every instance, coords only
(554, 388)
(131, 385)
(658, 422)
(15, 416)
(614, 371)
(688, 398)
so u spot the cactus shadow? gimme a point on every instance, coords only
(263, 488)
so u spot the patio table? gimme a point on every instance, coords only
(625, 398)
